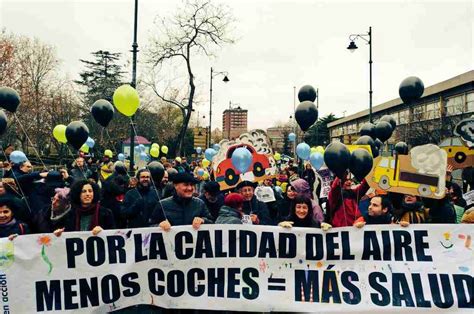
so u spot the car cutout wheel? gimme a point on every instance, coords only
(258, 169)
(230, 177)
(424, 190)
(384, 183)
(460, 157)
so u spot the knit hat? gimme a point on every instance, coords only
(234, 200)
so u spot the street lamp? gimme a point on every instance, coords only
(225, 80)
(352, 47)
(134, 84)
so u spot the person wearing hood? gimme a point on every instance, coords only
(212, 197)
(301, 215)
(140, 202)
(257, 210)
(303, 187)
(231, 212)
(182, 208)
(342, 205)
(55, 215)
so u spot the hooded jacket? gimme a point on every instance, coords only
(302, 187)
(229, 215)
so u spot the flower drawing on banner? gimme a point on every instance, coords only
(7, 256)
(446, 243)
(45, 241)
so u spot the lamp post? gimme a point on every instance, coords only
(225, 80)
(134, 84)
(352, 47)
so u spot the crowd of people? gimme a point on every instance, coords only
(92, 196)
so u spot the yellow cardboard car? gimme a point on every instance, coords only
(459, 155)
(396, 174)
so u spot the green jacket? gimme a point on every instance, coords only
(229, 215)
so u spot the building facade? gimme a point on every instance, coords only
(430, 119)
(234, 122)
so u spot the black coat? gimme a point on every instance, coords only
(44, 224)
(106, 220)
(138, 206)
(284, 208)
(215, 207)
(17, 227)
(258, 208)
(180, 211)
(229, 215)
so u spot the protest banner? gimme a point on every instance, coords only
(327, 178)
(469, 197)
(249, 268)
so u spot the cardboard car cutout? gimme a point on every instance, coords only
(263, 163)
(422, 172)
(459, 155)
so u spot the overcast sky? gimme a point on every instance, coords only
(281, 44)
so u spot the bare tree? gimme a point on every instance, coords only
(198, 29)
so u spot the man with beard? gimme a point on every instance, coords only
(140, 201)
(343, 201)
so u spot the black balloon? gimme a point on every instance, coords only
(337, 158)
(307, 92)
(77, 133)
(306, 114)
(411, 89)
(365, 140)
(401, 148)
(383, 130)
(390, 120)
(9, 99)
(157, 171)
(103, 112)
(361, 163)
(375, 152)
(368, 129)
(3, 122)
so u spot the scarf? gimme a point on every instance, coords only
(58, 215)
(8, 224)
(93, 210)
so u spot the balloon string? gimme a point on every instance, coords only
(29, 141)
(110, 140)
(343, 205)
(146, 166)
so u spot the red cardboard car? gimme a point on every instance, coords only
(228, 176)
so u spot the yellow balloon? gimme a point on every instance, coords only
(108, 153)
(205, 176)
(164, 149)
(84, 148)
(59, 133)
(205, 163)
(154, 152)
(320, 149)
(155, 145)
(126, 100)
(314, 149)
(277, 156)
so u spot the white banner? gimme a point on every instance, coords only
(248, 268)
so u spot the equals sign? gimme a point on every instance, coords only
(276, 284)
